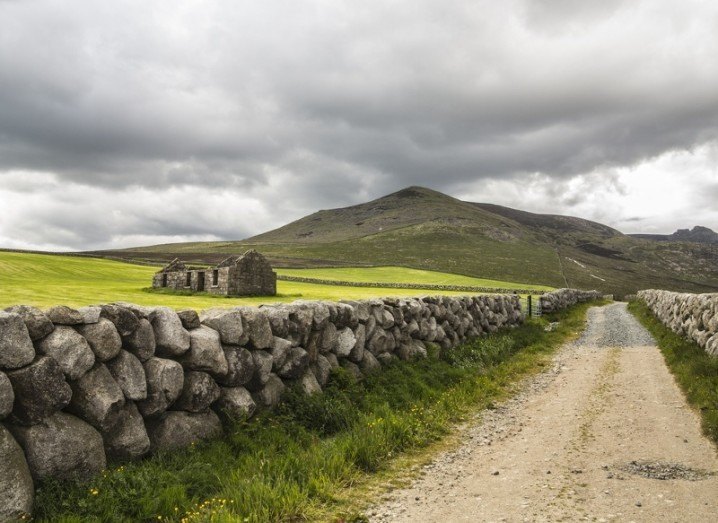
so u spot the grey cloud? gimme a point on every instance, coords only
(323, 105)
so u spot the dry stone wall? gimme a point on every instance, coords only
(694, 316)
(421, 286)
(563, 298)
(121, 381)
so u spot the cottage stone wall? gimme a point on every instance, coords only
(120, 381)
(255, 276)
(693, 316)
(174, 280)
(246, 275)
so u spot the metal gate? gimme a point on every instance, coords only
(531, 306)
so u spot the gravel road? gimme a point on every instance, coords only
(603, 435)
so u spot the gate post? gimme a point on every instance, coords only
(528, 305)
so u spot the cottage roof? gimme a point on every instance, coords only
(232, 260)
(174, 266)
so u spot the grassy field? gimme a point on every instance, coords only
(45, 280)
(321, 457)
(695, 371)
(404, 275)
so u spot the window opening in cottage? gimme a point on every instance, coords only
(200, 281)
(215, 277)
(164, 280)
(188, 280)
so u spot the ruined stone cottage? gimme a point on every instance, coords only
(246, 275)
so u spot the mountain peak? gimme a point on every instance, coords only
(698, 234)
(416, 191)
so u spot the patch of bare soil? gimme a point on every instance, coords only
(604, 435)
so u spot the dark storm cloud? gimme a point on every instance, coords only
(314, 104)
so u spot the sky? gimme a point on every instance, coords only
(130, 123)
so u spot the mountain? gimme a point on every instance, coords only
(422, 228)
(697, 235)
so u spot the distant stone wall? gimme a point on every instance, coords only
(563, 298)
(121, 381)
(395, 285)
(693, 316)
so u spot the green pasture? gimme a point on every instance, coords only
(404, 275)
(45, 280)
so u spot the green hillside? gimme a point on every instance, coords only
(424, 229)
(44, 280)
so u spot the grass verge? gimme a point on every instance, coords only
(312, 458)
(695, 371)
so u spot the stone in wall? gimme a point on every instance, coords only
(257, 327)
(128, 372)
(16, 486)
(62, 446)
(171, 338)
(308, 383)
(16, 348)
(97, 398)
(235, 403)
(103, 338)
(322, 369)
(270, 394)
(36, 321)
(90, 314)
(198, 393)
(141, 342)
(40, 390)
(69, 349)
(165, 380)
(63, 315)
(280, 351)
(128, 439)
(7, 396)
(123, 318)
(189, 319)
(263, 363)
(205, 353)
(178, 429)
(229, 324)
(296, 363)
(240, 366)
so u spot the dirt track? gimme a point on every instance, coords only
(604, 435)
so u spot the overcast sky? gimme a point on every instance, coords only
(131, 122)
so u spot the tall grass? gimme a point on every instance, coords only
(695, 371)
(302, 461)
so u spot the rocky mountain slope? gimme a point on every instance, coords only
(698, 234)
(422, 228)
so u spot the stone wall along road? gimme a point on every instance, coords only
(120, 381)
(693, 316)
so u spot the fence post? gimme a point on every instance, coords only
(528, 305)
